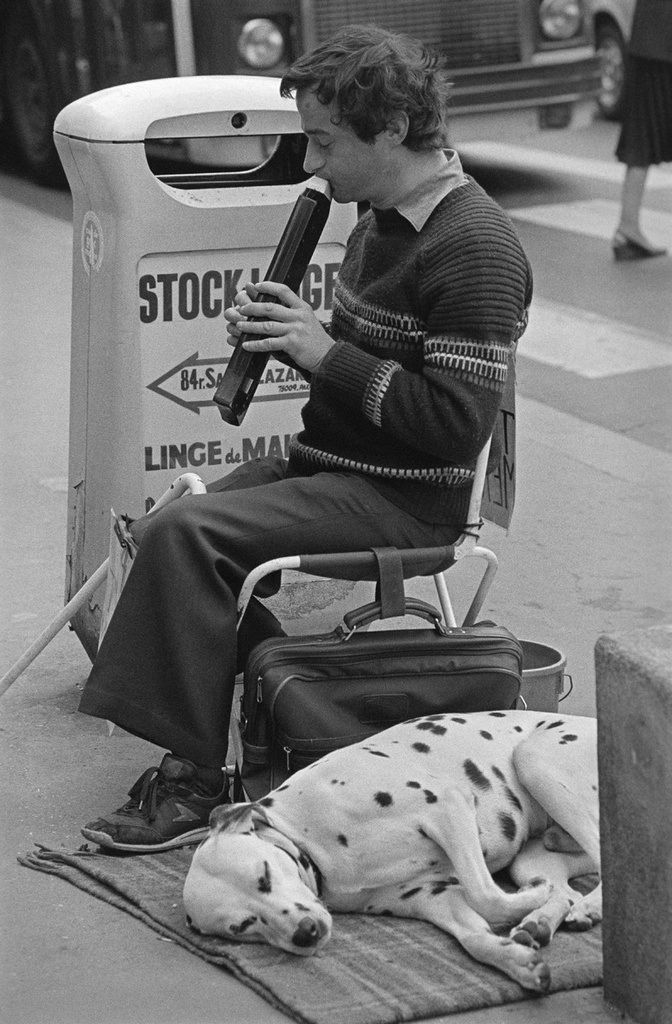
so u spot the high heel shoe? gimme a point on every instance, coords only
(625, 248)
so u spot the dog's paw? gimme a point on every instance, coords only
(533, 933)
(527, 967)
(581, 920)
(541, 978)
(585, 913)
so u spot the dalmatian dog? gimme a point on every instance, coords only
(413, 822)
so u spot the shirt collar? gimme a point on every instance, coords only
(417, 206)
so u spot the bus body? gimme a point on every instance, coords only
(516, 65)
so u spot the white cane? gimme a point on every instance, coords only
(187, 482)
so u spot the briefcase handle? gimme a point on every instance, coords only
(360, 618)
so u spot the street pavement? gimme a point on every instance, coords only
(588, 553)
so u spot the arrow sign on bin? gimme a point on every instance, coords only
(193, 376)
(192, 383)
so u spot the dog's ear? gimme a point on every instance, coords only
(235, 818)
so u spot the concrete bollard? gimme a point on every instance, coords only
(634, 711)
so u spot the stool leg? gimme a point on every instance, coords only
(484, 585)
(444, 599)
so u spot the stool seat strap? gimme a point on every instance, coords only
(390, 585)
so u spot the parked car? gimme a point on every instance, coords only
(612, 21)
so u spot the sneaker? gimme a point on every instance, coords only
(169, 807)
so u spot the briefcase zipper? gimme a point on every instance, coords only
(337, 639)
(328, 641)
(282, 682)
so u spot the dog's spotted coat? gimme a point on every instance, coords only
(413, 822)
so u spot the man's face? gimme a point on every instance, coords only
(357, 171)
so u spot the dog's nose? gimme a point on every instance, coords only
(308, 933)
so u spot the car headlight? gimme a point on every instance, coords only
(260, 43)
(560, 19)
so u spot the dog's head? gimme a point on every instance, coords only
(254, 885)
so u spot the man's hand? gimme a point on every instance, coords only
(289, 325)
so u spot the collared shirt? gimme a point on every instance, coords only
(423, 200)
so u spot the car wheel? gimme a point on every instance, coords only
(29, 96)
(611, 50)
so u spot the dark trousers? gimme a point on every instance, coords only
(166, 667)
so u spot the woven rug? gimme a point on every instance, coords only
(375, 970)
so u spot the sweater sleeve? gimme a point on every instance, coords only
(473, 285)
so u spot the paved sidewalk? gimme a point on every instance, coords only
(586, 555)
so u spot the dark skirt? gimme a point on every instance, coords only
(646, 127)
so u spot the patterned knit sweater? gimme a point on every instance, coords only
(424, 323)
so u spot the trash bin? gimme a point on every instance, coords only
(156, 261)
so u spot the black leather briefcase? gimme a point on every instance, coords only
(305, 696)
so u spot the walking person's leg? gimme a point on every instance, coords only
(630, 241)
(644, 140)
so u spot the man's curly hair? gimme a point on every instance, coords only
(371, 75)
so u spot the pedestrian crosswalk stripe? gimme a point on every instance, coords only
(565, 436)
(523, 159)
(587, 344)
(596, 218)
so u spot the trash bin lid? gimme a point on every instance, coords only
(199, 106)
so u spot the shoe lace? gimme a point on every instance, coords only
(146, 792)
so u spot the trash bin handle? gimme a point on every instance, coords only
(194, 107)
